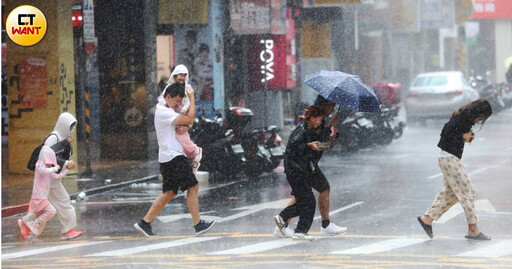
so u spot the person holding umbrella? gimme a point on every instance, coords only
(300, 169)
(323, 133)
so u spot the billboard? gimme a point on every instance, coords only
(258, 16)
(492, 9)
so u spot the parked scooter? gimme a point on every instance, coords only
(237, 119)
(221, 152)
(352, 131)
(270, 145)
(491, 92)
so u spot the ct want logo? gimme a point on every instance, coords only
(26, 25)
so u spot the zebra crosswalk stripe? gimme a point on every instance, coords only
(49, 249)
(492, 251)
(135, 250)
(382, 246)
(260, 247)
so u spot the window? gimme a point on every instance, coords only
(431, 81)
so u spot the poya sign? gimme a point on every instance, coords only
(26, 25)
(267, 60)
(270, 63)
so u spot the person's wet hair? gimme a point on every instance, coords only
(480, 108)
(175, 89)
(312, 112)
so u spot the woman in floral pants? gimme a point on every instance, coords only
(458, 187)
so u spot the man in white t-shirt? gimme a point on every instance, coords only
(174, 165)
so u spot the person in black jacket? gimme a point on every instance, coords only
(458, 187)
(325, 132)
(299, 166)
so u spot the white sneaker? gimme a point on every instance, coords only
(281, 224)
(332, 229)
(288, 232)
(302, 237)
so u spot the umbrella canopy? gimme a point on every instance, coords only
(344, 89)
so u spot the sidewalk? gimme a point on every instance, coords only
(17, 189)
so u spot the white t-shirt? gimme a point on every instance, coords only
(168, 146)
(444, 154)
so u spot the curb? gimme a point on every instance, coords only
(22, 208)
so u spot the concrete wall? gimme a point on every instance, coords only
(503, 47)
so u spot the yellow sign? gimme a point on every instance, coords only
(316, 40)
(183, 11)
(26, 25)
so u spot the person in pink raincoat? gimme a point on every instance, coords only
(46, 170)
(192, 151)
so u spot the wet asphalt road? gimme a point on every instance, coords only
(376, 193)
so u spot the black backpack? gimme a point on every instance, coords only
(31, 165)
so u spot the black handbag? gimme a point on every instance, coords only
(31, 165)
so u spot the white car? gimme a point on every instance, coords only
(438, 94)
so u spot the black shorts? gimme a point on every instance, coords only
(300, 181)
(177, 174)
(318, 181)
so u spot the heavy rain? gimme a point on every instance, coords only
(256, 133)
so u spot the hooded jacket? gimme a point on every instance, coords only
(43, 174)
(179, 69)
(298, 155)
(62, 130)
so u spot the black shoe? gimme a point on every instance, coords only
(203, 226)
(144, 228)
(426, 227)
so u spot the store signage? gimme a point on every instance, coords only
(492, 9)
(271, 62)
(267, 60)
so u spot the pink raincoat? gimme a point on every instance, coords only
(42, 179)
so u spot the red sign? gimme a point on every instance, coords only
(90, 48)
(33, 83)
(272, 59)
(492, 9)
(271, 63)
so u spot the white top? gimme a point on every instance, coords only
(168, 146)
(444, 154)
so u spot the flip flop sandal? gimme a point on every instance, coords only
(426, 227)
(480, 236)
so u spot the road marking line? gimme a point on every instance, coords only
(135, 250)
(341, 209)
(382, 246)
(493, 251)
(480, 170)
(49, 249)
(480, 205)
(435, 176)
(260, 247)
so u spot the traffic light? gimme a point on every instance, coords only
(77, 18)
